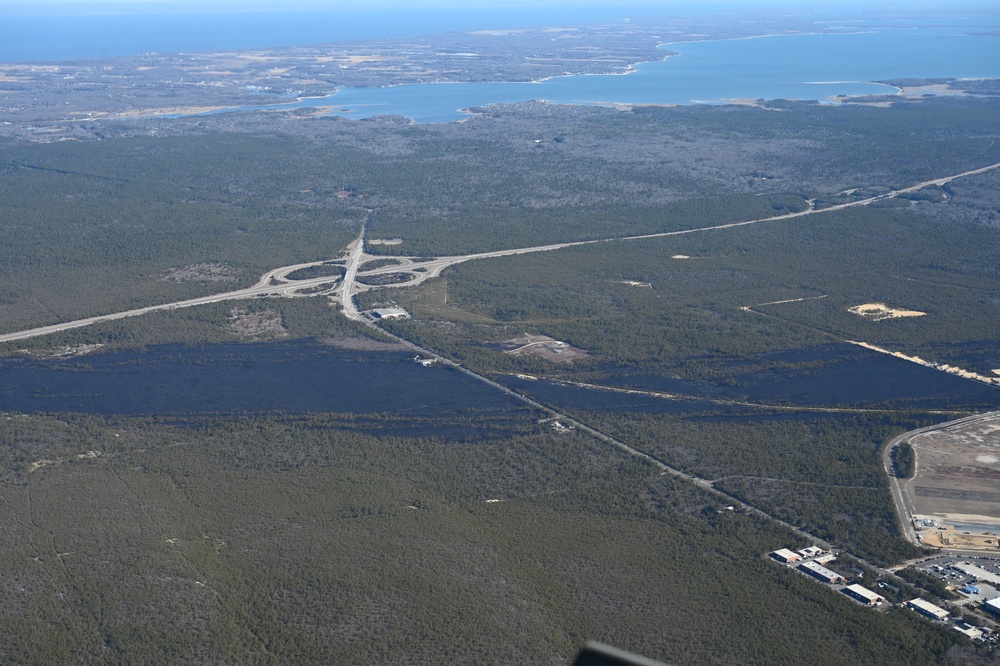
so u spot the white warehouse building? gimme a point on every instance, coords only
(928, 609)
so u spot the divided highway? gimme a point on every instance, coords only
(275, 283)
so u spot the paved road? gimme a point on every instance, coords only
(357, 251)
(434, 267)
(274, 282)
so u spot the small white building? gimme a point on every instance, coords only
(390, 313)
(927, 609)
(864, 595)
(811, 551)
(975, 633)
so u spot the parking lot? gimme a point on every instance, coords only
(953, 570)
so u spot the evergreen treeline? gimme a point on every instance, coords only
(904, 460)
(307, 539)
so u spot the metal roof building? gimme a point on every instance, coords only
(993, 605)
(928, 609)
(864, 595)
(821, 572)
(786, 556)
(390, 313)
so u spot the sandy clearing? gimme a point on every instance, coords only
(952, 538)
(880, 311)
(951, 369)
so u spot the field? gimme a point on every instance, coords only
(957, 483)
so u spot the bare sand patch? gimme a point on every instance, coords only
(949, 537)
(543, 347)
(932, 89)
(880, 311)
(944, 367)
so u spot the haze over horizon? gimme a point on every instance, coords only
(100, 6)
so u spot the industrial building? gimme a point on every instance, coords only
(822, 573)
(786, 556)
(993, 606)
(390, 313)
(811, 551)
(927, 609)
(864, 595)
(975, 633)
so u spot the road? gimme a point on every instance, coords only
(357, 252)
(275, 282)
(434, 267)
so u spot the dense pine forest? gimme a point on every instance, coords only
(483, 537)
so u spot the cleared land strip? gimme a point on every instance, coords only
(705, 484)
(740, 403)
(950, 369)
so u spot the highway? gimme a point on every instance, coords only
(276, 283)
(354, 257)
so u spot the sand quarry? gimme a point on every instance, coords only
(880, 311)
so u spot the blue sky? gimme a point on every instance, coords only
(689, 7)
(237, 5)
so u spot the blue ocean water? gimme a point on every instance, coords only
(809, 67)
(37, 36)
(804, 67)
